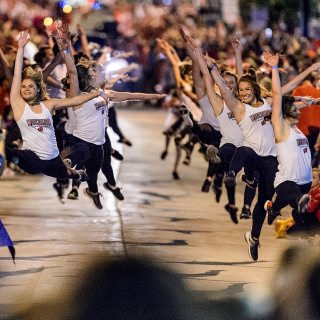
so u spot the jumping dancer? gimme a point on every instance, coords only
(294, 175)
(32, 111)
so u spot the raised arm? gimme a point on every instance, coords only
(16, 101)
(63, 41)
(299, 78)
(237, 47)
(277, 120)
(173, 58)
(215, 100)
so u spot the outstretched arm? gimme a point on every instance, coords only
(117, 96)
(16, 101)
(299, 78)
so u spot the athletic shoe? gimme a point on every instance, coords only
(95, 197)
(245, 213)
(60, 191)
(271, 214)
(164, 155)
(233, 213)
(125, 141)
(303, 203)
(230, 179)
(117, 155)
(212, 153)
(206, 185)
(217, 191)
(175, 175)
(253, 245)
(252, 184)
(116, 191)
(73, 194)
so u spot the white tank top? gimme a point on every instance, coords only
(230, 131)
(91, 121)
(37, 132)
(71, 122)
(257, 132)
(208, 115)
(294, 159)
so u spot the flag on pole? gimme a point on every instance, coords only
(5, 241)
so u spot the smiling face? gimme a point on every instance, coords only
(246, 92)
(29, 89)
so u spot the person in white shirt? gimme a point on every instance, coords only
(294, 176)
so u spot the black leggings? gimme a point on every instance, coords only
(106, 167)
(266, 168)
(289, 193)
(246, 158)
(29, 162)
(88, 155)
(113, 123)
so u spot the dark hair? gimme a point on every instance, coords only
(251, 77)
(83, 76)
(287, 102)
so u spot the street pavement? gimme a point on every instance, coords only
(171, 221)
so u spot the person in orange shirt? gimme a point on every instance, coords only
(309, 122)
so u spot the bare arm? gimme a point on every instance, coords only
(117, 96)
(16, 101)
(300, 77)
(84, 41)
(50, 67)
(215, 100)
(237, 47)
(58, 104)
(277, 116)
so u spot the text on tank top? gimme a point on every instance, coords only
(38, 133)
(257, 131)
(294, 159)
(91, 121)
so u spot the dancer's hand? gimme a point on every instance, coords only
(23, 38)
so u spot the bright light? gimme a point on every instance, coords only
(67, 9)
(114, 65)
(48, 21)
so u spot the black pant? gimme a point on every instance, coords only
(266, 168)
(288, 192)
(113, 123)
(106, 163)
(29, 162)
(88, 155)
(246, 158)
(206, 133)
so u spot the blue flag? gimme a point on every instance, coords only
(5, 240)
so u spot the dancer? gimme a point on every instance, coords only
(294, 175)
(258, 152)
(32, 111)
(232, 137)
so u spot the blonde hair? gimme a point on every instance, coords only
(36, 76)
